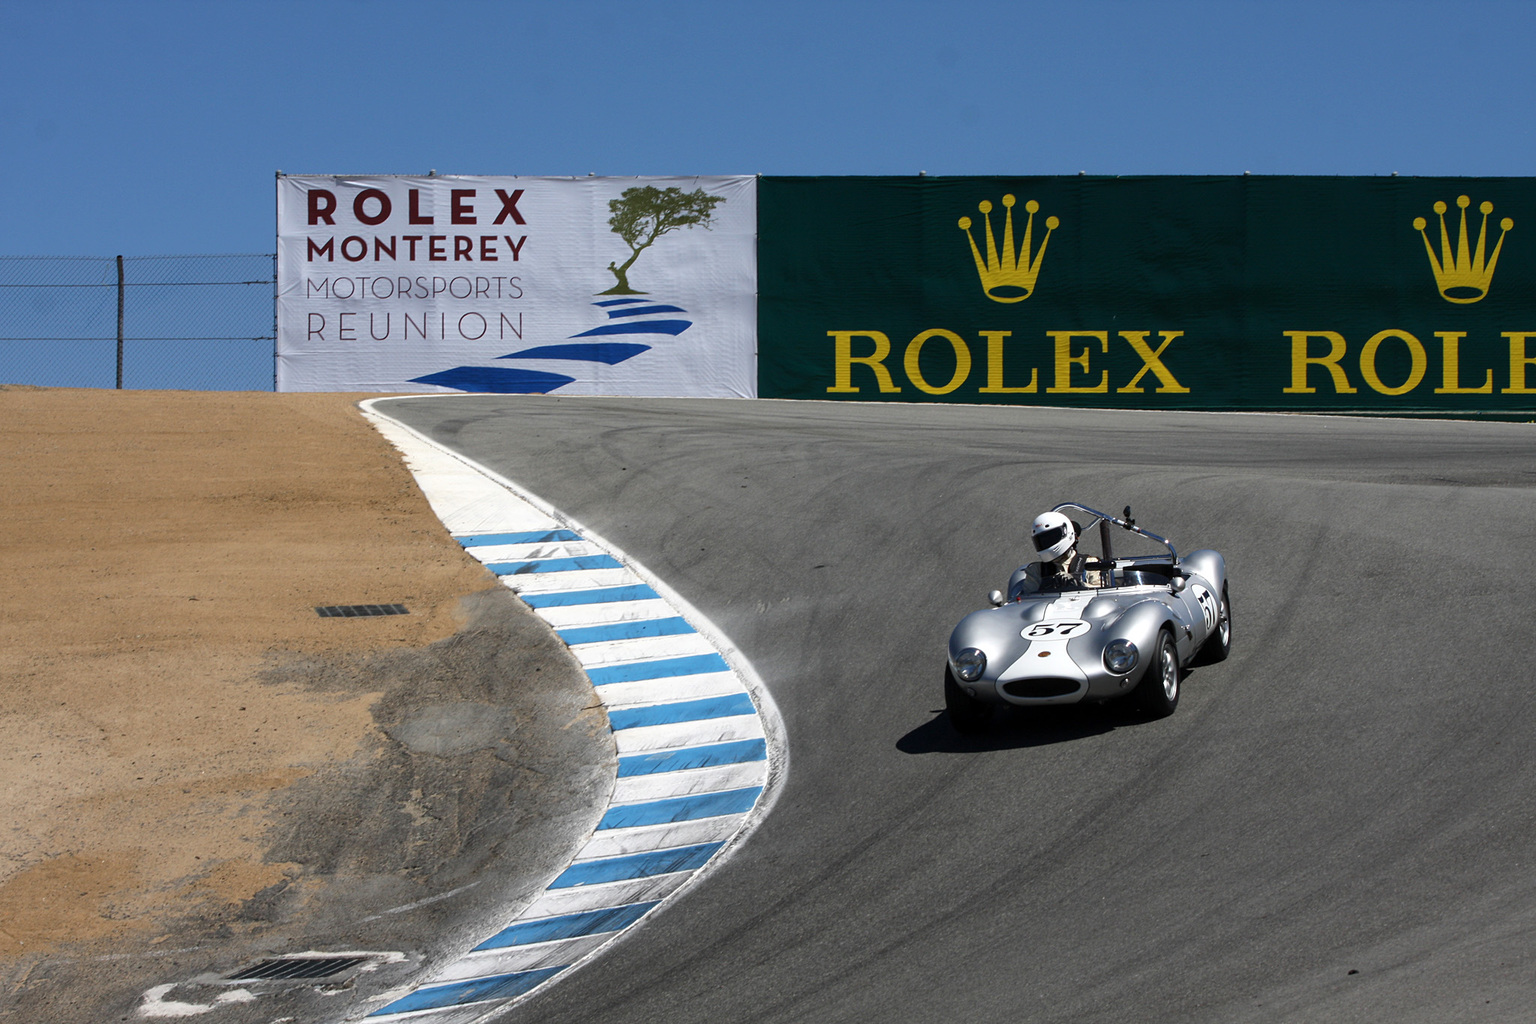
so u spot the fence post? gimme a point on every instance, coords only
(119, 323)
(274, 319)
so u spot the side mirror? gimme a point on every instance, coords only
(1129, 519)
(1177, 584)
(996, 597)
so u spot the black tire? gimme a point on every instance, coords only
(1219, 644)
(1158, 691)
(967, 714)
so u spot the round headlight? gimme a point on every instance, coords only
(970, 664)
(1120, 656)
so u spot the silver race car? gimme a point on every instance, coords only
(1113, 627)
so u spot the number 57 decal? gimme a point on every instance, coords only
(1060, 629)
(1208, 606)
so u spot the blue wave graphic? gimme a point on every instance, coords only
(614, 314)
(508, 381)
(610, 352)
(673, 327)
(501, 380)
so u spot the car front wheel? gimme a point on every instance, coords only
(967, 714)
(1158, 691)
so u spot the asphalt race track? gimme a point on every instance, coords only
(1336, 825)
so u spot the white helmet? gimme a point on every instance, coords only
(1054, 535)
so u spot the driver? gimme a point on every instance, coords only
(1055, 539)
(1060, 566)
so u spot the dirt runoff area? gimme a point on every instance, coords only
(195, 767)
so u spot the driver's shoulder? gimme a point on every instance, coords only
(1025, 579)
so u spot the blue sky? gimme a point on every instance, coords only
(155, 127)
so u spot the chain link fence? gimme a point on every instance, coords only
(203, 323)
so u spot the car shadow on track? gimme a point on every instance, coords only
(1017, 728)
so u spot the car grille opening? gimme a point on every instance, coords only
(1041, 687)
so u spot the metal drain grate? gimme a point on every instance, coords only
(356, 611)
(297, 968)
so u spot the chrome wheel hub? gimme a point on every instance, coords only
(1170, 669)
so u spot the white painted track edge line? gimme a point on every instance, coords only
(773, 723)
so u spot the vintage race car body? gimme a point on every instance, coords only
(1129, 628)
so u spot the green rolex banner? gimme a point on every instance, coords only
(1385, 295)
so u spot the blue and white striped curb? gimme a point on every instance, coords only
(700, 744)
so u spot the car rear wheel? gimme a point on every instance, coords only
(967, 714)
(1219, 644)
(1158, 691)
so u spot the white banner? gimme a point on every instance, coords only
(581, 286)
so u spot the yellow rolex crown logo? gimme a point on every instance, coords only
(1009, 276)
(1464, 277)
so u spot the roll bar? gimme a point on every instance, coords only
(1104, 519)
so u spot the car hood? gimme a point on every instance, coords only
(1099, 617)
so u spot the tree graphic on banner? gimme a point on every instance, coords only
(645, 213)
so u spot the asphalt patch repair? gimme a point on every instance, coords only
(199, 771)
